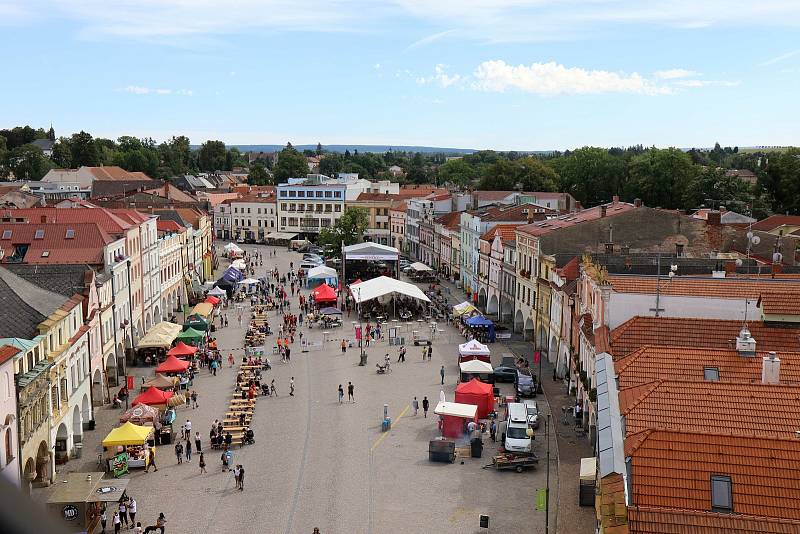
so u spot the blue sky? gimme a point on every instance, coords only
(501, 74)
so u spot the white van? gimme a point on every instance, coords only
(307, 265)
(516, 438)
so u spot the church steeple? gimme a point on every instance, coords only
(51, 133)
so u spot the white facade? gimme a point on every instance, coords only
(250, 219)
(9, 438)
(173, 287)
(307, 209)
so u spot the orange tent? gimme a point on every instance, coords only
(152, 397)
(172, 365)
(182, 349)
(478, 393)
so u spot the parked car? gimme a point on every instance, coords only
(505, 373)
(525, 383)
(309, 256)
(533, 412)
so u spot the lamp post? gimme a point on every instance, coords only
(547, 486)
(363, 358)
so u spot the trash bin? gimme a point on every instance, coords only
(476, 447)
(78, 450)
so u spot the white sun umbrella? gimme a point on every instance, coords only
(239, 264)
(230, 246)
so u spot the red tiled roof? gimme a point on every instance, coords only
(674, 469)
(737, 288)
(774, 221)
(573, 219)
(54, 247)
(518, 213)
(7, 352)
(402, 206)
(419, 191)
(683, 363)
(698, 332)
(506, 232)
(779, 303)
(168, 226)
(450, 220)
(114, 173)
(110, 222)
(647, 520)
(377, 197)
(492, 196)
(717, 407)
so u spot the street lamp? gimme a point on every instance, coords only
(363, 356)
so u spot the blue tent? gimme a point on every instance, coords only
(232, 274)
(481, 321)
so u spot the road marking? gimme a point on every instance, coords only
(378, 441)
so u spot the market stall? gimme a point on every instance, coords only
(455, 416)
(182, 350)
(481, 370)
(481, 327)
(465, 308)
(477, 393)
(191, 335)
(153, 397)
(324, 274)
(473, 350)
(210, 299)
(153, 345)
(203, 309)
(217, 292)
(159, 381)
(126, 446)
(172, 365)
(239, 264)
(77, 501)
(324, 293)
(141, 415)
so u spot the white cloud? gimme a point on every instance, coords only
(672, 74)
(440, 77)
(551, 79)
(781, 57)
(140, 90)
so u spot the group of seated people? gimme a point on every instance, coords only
(218, 439)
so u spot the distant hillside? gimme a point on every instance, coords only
(360, 148)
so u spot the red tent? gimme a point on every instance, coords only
(211, 299)
(153, 396)
(172, 365)
(325, 293)
(477, 393)
(182, 349)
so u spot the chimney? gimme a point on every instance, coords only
(730, 267)
(771, 369)
(745, 344)
(615, 199)
(43, 219)
(578, 205)
(637, 203)
(603, 210)
(714, 218)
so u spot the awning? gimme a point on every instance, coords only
(153, 396)
(217, 292)
(322, 272)
(324, 293)
(330, 311)
(190, 334)
(161, 335)
(420, 267)
(211, 299)
(464, 307)
(383, 285)
(478, 320)
(473, 348)
(159, 381)
(239, 264)
(249, 281)
(476, 367)
(371, 251)
(172, 365)
(182, 349)
(282, 236)
(203, 309)
(127, 434)
(81, 487)
(456, 409)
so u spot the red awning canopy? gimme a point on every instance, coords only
(182, 349)
(211, 299)
(172, 365)
(152, 396)
(325, 293)
(478, 393)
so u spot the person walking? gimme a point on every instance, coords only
(230, 359)
(202, 463)
(241, 478)
(236, 475)
(425, 406)
(117, 523)
(274, 390)
(402, 356)
(344, 345)
(415, 406)
(493, 430)
(179, 452)
(188, 429)
(132, 510)
(123, 513)
(341, 393)
(291, 387)
(194, 399)
(214, 367)
(430, 352)
(441, 373)
(424, 353)
(197, 443)
(350, 390)
(151, 460)
(188, 450)
(161, 523)
(103, 520)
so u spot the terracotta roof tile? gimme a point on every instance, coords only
(717, 407)
(673, 470)
(774, 221)
(168, 226)
(492, 196)
(780, 303)
(646, 520)
(112, 172)
(683, 363)
(573, 219)
(518, 213)
(702, 287)
(110, 222)
(698, 332)
(506, 231)
(54, 247)
(7, 352)
(450, 220)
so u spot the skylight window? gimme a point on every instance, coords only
(45, 253)
(711, 374)
(70, 234)
(6, 234)
(39, 234)
(721, 493)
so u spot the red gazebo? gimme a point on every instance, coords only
(325, 293)
(211, 299)
(182, 349)
(478, 393)
(152, 397)
(172, 365)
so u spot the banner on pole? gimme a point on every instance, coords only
(537, 356)
(541, 500)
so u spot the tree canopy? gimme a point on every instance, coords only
(349, 229)
(291, 164)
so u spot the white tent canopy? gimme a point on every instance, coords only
(371, 251)
(285, 236)
(239, 264)
(383, 285)
(456, 409)
(420, 267)
(476, 367)
(217, 292)
(248, 281)
(321, 273)
(473, 348)
(461, 309)
(232, 247)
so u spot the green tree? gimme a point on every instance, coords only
(330, 164)
(714, 185)
(291, 164)
(349, 229)
(783, 180)
(84, 150)
(458, 172)
(22, 135)
(28, 162)
(660, 175)
(590, 174)
(176, 155)
(258, 175)
(212, 156)
(236, 158)
(319, 149)
(3, 157)
(62, 153)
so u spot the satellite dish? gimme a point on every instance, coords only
(739, 262)
(756, 240)
(671, 274)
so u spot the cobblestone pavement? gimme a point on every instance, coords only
(318, 463)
